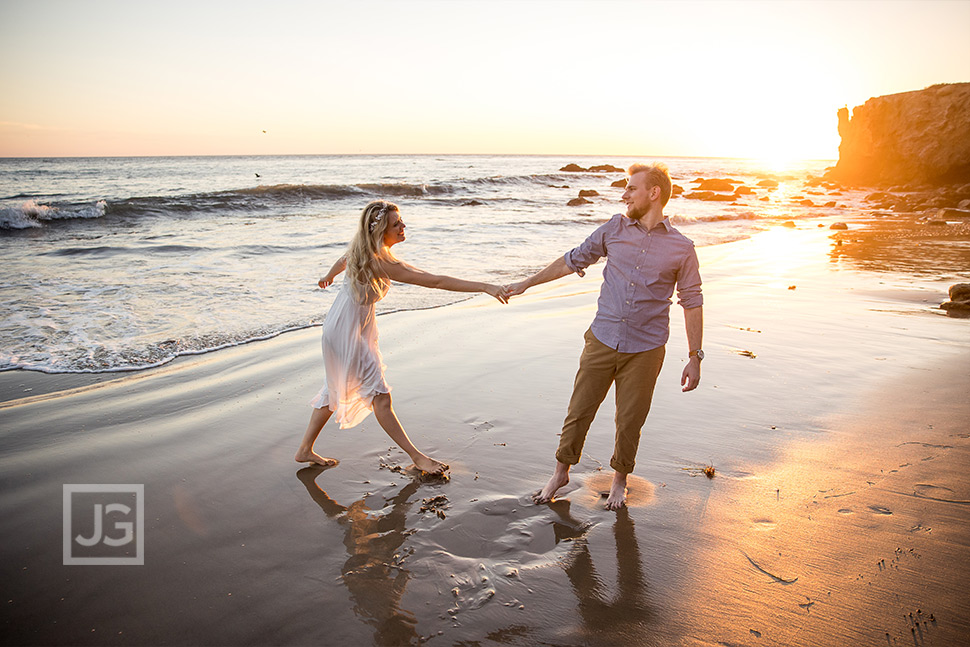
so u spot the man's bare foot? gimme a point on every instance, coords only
(430, 465)
(313, 457)
(617, 498)
(558, 480)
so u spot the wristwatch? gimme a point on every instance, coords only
(699, 353)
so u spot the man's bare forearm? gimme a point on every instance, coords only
(555, 270)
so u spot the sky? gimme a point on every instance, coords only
(760, 79)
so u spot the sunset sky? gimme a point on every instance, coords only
(721, 78)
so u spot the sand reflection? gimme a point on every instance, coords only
(375, 581)
(904, 244)
(619, 619)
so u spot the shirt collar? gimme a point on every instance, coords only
(665, 222)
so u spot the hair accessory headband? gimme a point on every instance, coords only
(380, 216)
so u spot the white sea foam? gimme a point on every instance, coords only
(30, 214)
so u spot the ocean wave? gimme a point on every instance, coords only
(252, 200)
(555, 180)
(101, 358)
(109, 250)
(143, 250)
(716, 217)
(31, 214)
(324, 191)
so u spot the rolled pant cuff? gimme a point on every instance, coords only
(568, 459)
(622, 468)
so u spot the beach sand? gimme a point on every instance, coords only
(833, 407)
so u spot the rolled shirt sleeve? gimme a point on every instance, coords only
(689, 282)
(591, 250)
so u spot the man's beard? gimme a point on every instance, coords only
(634, 214)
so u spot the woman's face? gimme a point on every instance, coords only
(394, 233)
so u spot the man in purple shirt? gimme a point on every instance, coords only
(645, 259)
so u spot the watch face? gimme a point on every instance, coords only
(700, 354)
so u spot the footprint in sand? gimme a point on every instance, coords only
(764, 524)
(878, 509)
(845, 511)
(929, 488)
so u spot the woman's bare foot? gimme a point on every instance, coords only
(558, 480)
(617, 498)
(313, 457)
(430, 465)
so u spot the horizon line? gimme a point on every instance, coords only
(612, 155)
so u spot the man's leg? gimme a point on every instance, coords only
(636, 378)
(593, 380)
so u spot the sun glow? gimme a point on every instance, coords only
(529, 78)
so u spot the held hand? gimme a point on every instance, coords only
(325, 281)
(515, 289)
(692, 375)
(499, 292)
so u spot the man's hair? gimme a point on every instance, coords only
(657, 175)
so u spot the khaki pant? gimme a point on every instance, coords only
(635, 375)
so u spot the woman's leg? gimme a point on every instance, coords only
(305, 453)
(386, 417)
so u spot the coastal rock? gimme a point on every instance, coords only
(768, 184)
(676, 189)
(953, 214)
(839, 225)
(959, 292)
(573, 168)
(605, 168)
(587, 193)
(472, 203)
(710, 196)
(959, 303)
(918, 137)
(716, 184)
(956, 308)
(620, 184)
(744, 190)
(576, 202)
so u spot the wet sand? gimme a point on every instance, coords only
(833, 407)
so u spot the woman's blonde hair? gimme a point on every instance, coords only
(366, 280)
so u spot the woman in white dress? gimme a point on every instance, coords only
(355, 372)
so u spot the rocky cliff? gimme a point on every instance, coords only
(920, 137)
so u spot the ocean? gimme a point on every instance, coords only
(118, 264)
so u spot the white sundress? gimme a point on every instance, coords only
(353, 363)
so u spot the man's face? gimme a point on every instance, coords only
(639, 196)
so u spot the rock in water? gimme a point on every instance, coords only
(716, 184)
(959, 303)
(914, 137)
(960, 292)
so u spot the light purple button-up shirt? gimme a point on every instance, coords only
(642, 268)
